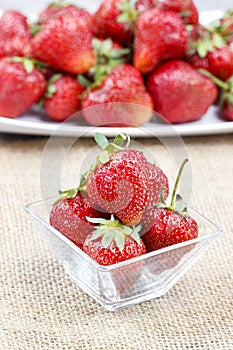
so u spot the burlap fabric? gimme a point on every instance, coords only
(40, 308)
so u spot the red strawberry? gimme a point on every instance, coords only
(125, 85)
(167, 225)
(165, 5)
(209, 51)
(22, 85)
(114, 19)
(112, 242)
(58, 43)
(159, 36)
(14, 34)
(119, 187)
(180, 93)
(57, 8)
(62, 98)
(68, 216)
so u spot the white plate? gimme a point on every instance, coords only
(35, 123)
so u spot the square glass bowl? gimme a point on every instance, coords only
(130, 282)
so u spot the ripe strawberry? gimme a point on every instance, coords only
(22, 85)
(112, 243)
(120, 187)
(125, 85)
(114, 19)
(57, 8)
(123, 182)
(58, 44)
(168, 225)
(62, 98)
(14, 34)
(68, 216)
(159, 36)
(185, 8)
(209, 51)
(179, 92)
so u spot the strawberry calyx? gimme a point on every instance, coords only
(207, 41)
(113, 230)
(224, 26)
(51, 88)
(177, 203)
(128, 13)
(72, 193)
(106, 58)
(28, 63)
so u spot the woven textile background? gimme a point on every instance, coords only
(41, 308)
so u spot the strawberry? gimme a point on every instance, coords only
(123, 182)
(68, 216)
(62, 98)
(209, 51)
(120, 187)
(124, 84)
(168, 225)
(185, 8)
(57, 8)
(159, 36)
(58, 44)
(14, 34)
(114, 19)
(22, 85)
(112, 243)
(179, 92)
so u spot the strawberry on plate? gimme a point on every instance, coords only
(15, 34)
(185, 8)
(59, 7)
(62, 97)
(22, 85)
(210, 51)
(159, 36)
(124, 85)
(114, 19)
(180, 93)
(65, 42)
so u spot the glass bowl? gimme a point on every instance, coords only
(130, 282)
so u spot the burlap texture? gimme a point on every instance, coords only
(40, 308)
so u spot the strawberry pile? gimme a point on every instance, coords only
(154, 54)
(118, 211)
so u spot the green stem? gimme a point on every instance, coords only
(177, 183)
(218, 82)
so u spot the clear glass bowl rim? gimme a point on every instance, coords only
(96, 266)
